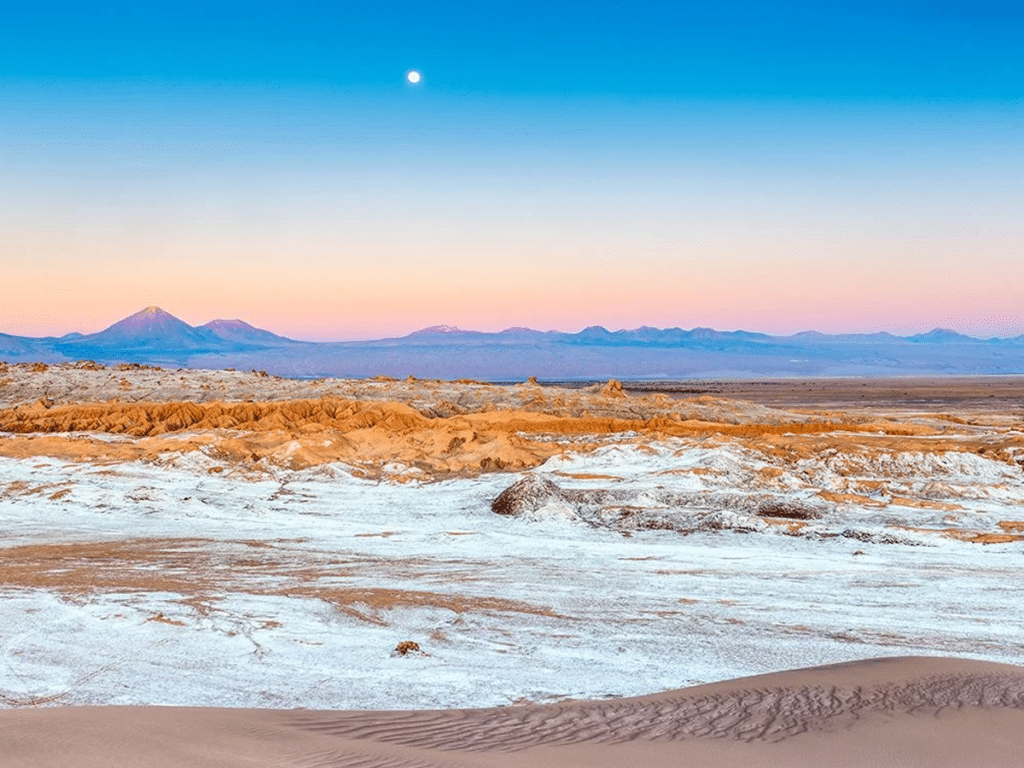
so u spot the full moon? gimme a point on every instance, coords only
(413, 76)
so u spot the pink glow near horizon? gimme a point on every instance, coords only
(388, 279)
(321, 303)
(763, 308)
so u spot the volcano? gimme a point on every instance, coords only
(153, 329)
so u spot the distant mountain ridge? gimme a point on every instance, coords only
(443, 330)
(151, 328)
(156, 337)
(241, 331)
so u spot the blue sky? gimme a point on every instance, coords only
(837, 50)
(783, 166)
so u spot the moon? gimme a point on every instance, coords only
(413, 76)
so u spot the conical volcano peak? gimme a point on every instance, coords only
(152, 327)
(149, 318)
(153, 311)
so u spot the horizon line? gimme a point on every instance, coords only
(451, 329)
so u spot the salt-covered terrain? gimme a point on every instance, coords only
(167, 542)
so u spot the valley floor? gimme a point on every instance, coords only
(194, 549)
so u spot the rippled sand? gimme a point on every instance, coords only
(938, 713)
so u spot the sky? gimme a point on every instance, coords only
(776, 167)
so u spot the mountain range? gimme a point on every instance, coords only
(156, 337)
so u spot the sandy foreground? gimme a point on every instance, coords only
(248, 552)
(894, 712)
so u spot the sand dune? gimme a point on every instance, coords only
(903, 712)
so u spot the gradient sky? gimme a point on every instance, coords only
(768, 166)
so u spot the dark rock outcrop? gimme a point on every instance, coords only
(528, 495)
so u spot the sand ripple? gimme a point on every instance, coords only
(745, 714)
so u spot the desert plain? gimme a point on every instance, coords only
(225, 568)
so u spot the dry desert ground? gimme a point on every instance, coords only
(218, 568)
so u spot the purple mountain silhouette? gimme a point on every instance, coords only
(241, 332)
(442, 330)
(13, 345)
(153, 328)
(943, 336)
(158, 337)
